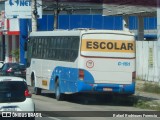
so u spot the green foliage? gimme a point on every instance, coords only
(146, 86)
(15, 53)
(145, 104)
(151, 87)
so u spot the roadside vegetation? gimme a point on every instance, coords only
(151, 87)
(146, 86)
(147, 103)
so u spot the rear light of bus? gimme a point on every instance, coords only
(81, 74)
(133, 76)
(27, 94)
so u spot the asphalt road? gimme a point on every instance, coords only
(86, 107)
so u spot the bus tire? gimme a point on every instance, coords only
(58, 94)
(32, 80)
(37, 91)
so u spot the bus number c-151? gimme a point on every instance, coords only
(123, 63)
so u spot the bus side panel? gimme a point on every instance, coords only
(69, 82)
(67, 78)
(28, 76)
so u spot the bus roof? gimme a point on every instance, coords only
(77, 32)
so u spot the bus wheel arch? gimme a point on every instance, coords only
(56, 80)
(32, 79)
(37, 91)
(59, 96)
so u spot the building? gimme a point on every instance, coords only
(75, 17)
(9, 37)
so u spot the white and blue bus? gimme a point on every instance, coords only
(73, 61)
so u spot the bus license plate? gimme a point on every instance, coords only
(107, 89)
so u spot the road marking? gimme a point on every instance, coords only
(54, 118)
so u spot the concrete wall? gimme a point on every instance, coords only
(158, 34)
(147, 61)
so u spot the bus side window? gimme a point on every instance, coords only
(64, 54)
(34, 48)
(47, 42)
(51, 48)
(54, 48)
(74, 48)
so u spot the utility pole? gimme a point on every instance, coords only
(34, 15)
(56, 12)
(125, 23)
(3, 36)
(3, 49)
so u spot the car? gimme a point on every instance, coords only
(15, 96)
(13, 69)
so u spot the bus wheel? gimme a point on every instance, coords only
(32, 80)
(37, 91)
(58, 94)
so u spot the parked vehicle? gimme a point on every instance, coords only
(15, 96)
(13, 69)
(1, 63)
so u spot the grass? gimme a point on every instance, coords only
(144, 104)
(151, 87)
(137, 101)
(145, 86)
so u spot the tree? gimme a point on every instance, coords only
(15, 53)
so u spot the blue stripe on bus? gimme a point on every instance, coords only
(68, 78)
(69, 82)
(116, 88)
